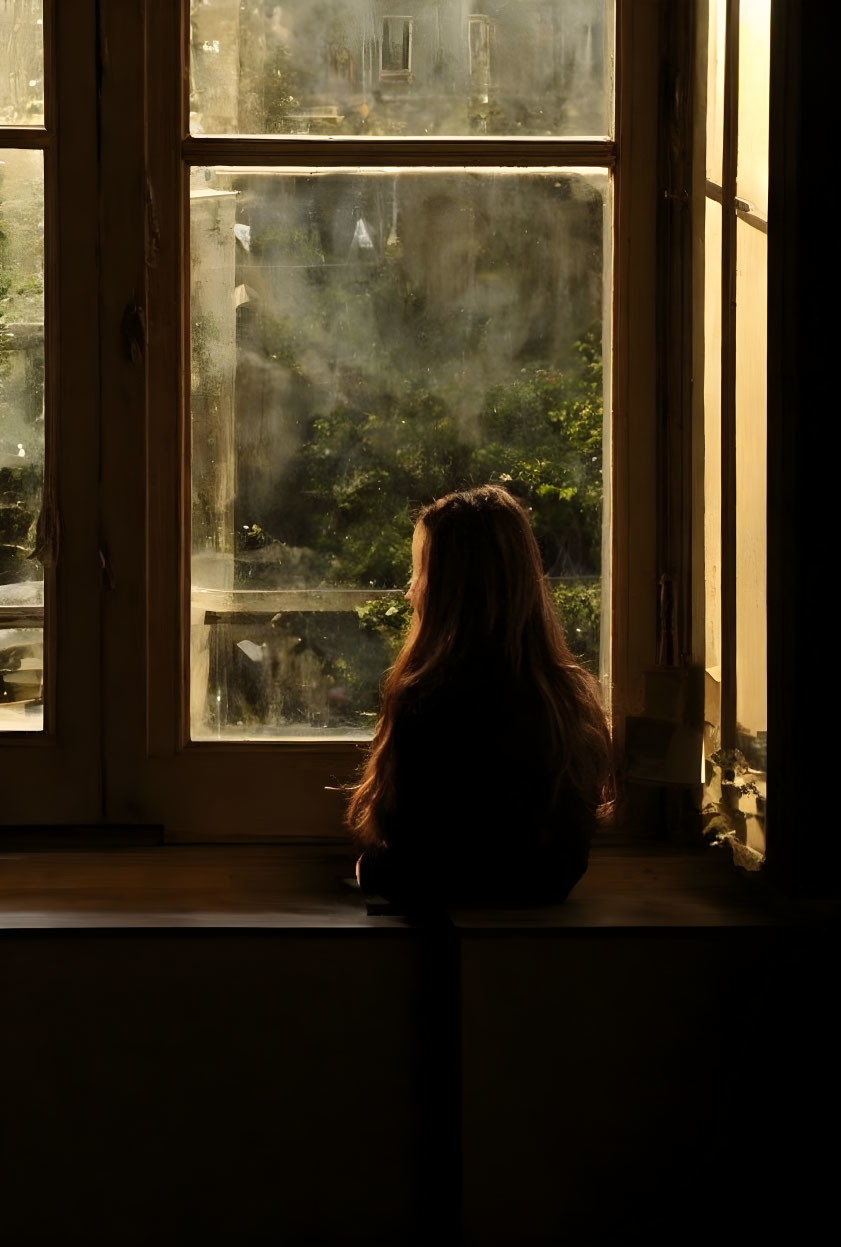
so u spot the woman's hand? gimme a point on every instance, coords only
(358, 866)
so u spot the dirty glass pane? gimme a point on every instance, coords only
(751, 496)
(715, 89)
(754, 97)
(21, 62)
(21, 437)
(712, 477)
(357, 67)
(362, 342)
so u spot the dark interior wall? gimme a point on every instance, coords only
(209, 1088)
(803, 844)
(617, 1086)
(631, 1086)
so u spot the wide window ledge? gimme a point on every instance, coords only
(276, 888)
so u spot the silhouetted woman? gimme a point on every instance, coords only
(490, 765)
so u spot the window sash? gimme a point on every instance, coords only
(737, 216)
(232, 791)
(53, 775)
(302, 151)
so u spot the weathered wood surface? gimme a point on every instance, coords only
(277, 887)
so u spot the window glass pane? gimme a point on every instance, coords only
(21, 62)
(751, 493)
(354, 67)
(362, 342)
(715, 89)
(754, 85)
(712, 476)
(21, 436)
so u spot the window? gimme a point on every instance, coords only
(364, 338)
(49, 546)
(22, 437)
(22, 425)
(422, 254)
(736, 43)
(396, 47)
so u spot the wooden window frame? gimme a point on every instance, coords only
(290, 790)
(124, 484)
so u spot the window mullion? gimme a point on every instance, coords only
(250, 150)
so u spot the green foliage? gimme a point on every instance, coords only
(361, 464)
(541, 435)
(21, 388)
(389, 618)
(578, 604)
(19, 494)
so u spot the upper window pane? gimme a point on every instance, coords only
(21, 437)
(715, 88)
(754, 97)
(21, 62)
(364, 341)
(434, 67)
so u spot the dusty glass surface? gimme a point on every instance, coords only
(21, 436)
(751, 494)
(715, 88)
(712, 477)
(21, 62)
(754, 103)
(435, 67)
(362, 342)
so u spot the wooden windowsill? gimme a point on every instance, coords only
(279, 887)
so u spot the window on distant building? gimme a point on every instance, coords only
(396, 47)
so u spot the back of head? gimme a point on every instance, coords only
(483, 589)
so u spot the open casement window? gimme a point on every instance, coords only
(731, 285)
(49, 642)
(327, 303)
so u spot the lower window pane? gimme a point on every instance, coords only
(751, 505)
(21, 438)
(364, 341)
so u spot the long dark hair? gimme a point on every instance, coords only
(482, 596)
